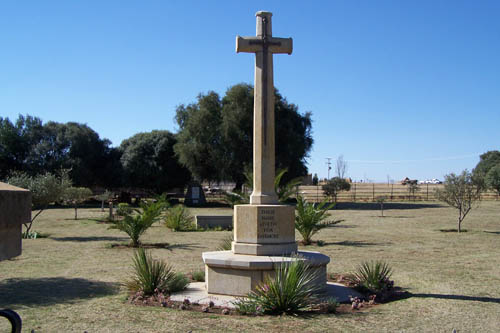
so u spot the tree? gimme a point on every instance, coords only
(315, 179)
(45, 189)
(35, 148)
(462, 192)
(336, 185)
(199, 145)
(78, 148)
(413, 187)
(487, 161)
(106, 196)
(493, 178)
(77, 195)
(149, 161)
(16, 142)
(215, 136)
(341, 167)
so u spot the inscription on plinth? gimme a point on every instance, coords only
(264, 229)
(268, 227)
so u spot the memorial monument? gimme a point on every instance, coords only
(264, 231)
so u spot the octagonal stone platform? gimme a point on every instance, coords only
(227, 273)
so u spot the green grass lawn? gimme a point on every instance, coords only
(70, 281)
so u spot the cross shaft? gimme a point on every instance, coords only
(263, 45)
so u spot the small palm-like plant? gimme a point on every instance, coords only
(137, 223)
(178, 218)
(292, 290)
(151, 275)
(373, 276)
(311, 219)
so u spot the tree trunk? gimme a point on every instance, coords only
(111, 211)
(102, 205)
(76, 214)
(459, 225)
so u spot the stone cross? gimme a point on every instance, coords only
(263, 45)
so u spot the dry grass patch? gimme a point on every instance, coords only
(71, 280)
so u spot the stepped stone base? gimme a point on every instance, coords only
(227, 273)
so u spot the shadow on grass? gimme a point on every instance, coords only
(394, 217)
(452, 230)
(493, 232)
(167, 246)
(89, 239)
(457, 297)
(356, 243)
(50, 291)
(387, 205)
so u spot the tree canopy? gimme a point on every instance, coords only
(487, 161)
(149, 161)
(30, 146)
(215, 135)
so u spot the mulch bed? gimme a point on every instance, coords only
(357, 305)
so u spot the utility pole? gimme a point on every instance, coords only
(328, 159)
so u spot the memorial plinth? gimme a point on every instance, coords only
(15, 209)
(264, 231)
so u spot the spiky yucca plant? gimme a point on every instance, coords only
(151, 275)
(373, 276)
(136, 224)
(226, 244)
(310, 219)
(292, 289)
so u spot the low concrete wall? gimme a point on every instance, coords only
(214, 221)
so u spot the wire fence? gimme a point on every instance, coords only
(371, 192)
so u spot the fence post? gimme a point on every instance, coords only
(392, 192)
(373, 192)
(354, 192)
(427, 191)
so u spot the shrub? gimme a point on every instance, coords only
(123, 209)
(152, 275)
(373, 276)
(336, 185)
(177, 283)
(136, 225)
(198, 276)
(179, 219)
(292, 290)
(310, 219)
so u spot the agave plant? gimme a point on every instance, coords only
(311, 219)
(140, 220)
(373, 276)
(151, 275)
(292, 290)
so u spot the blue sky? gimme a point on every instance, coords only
(399, 88)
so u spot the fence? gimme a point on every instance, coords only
(369, 192)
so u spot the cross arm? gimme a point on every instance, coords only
(254, 44)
